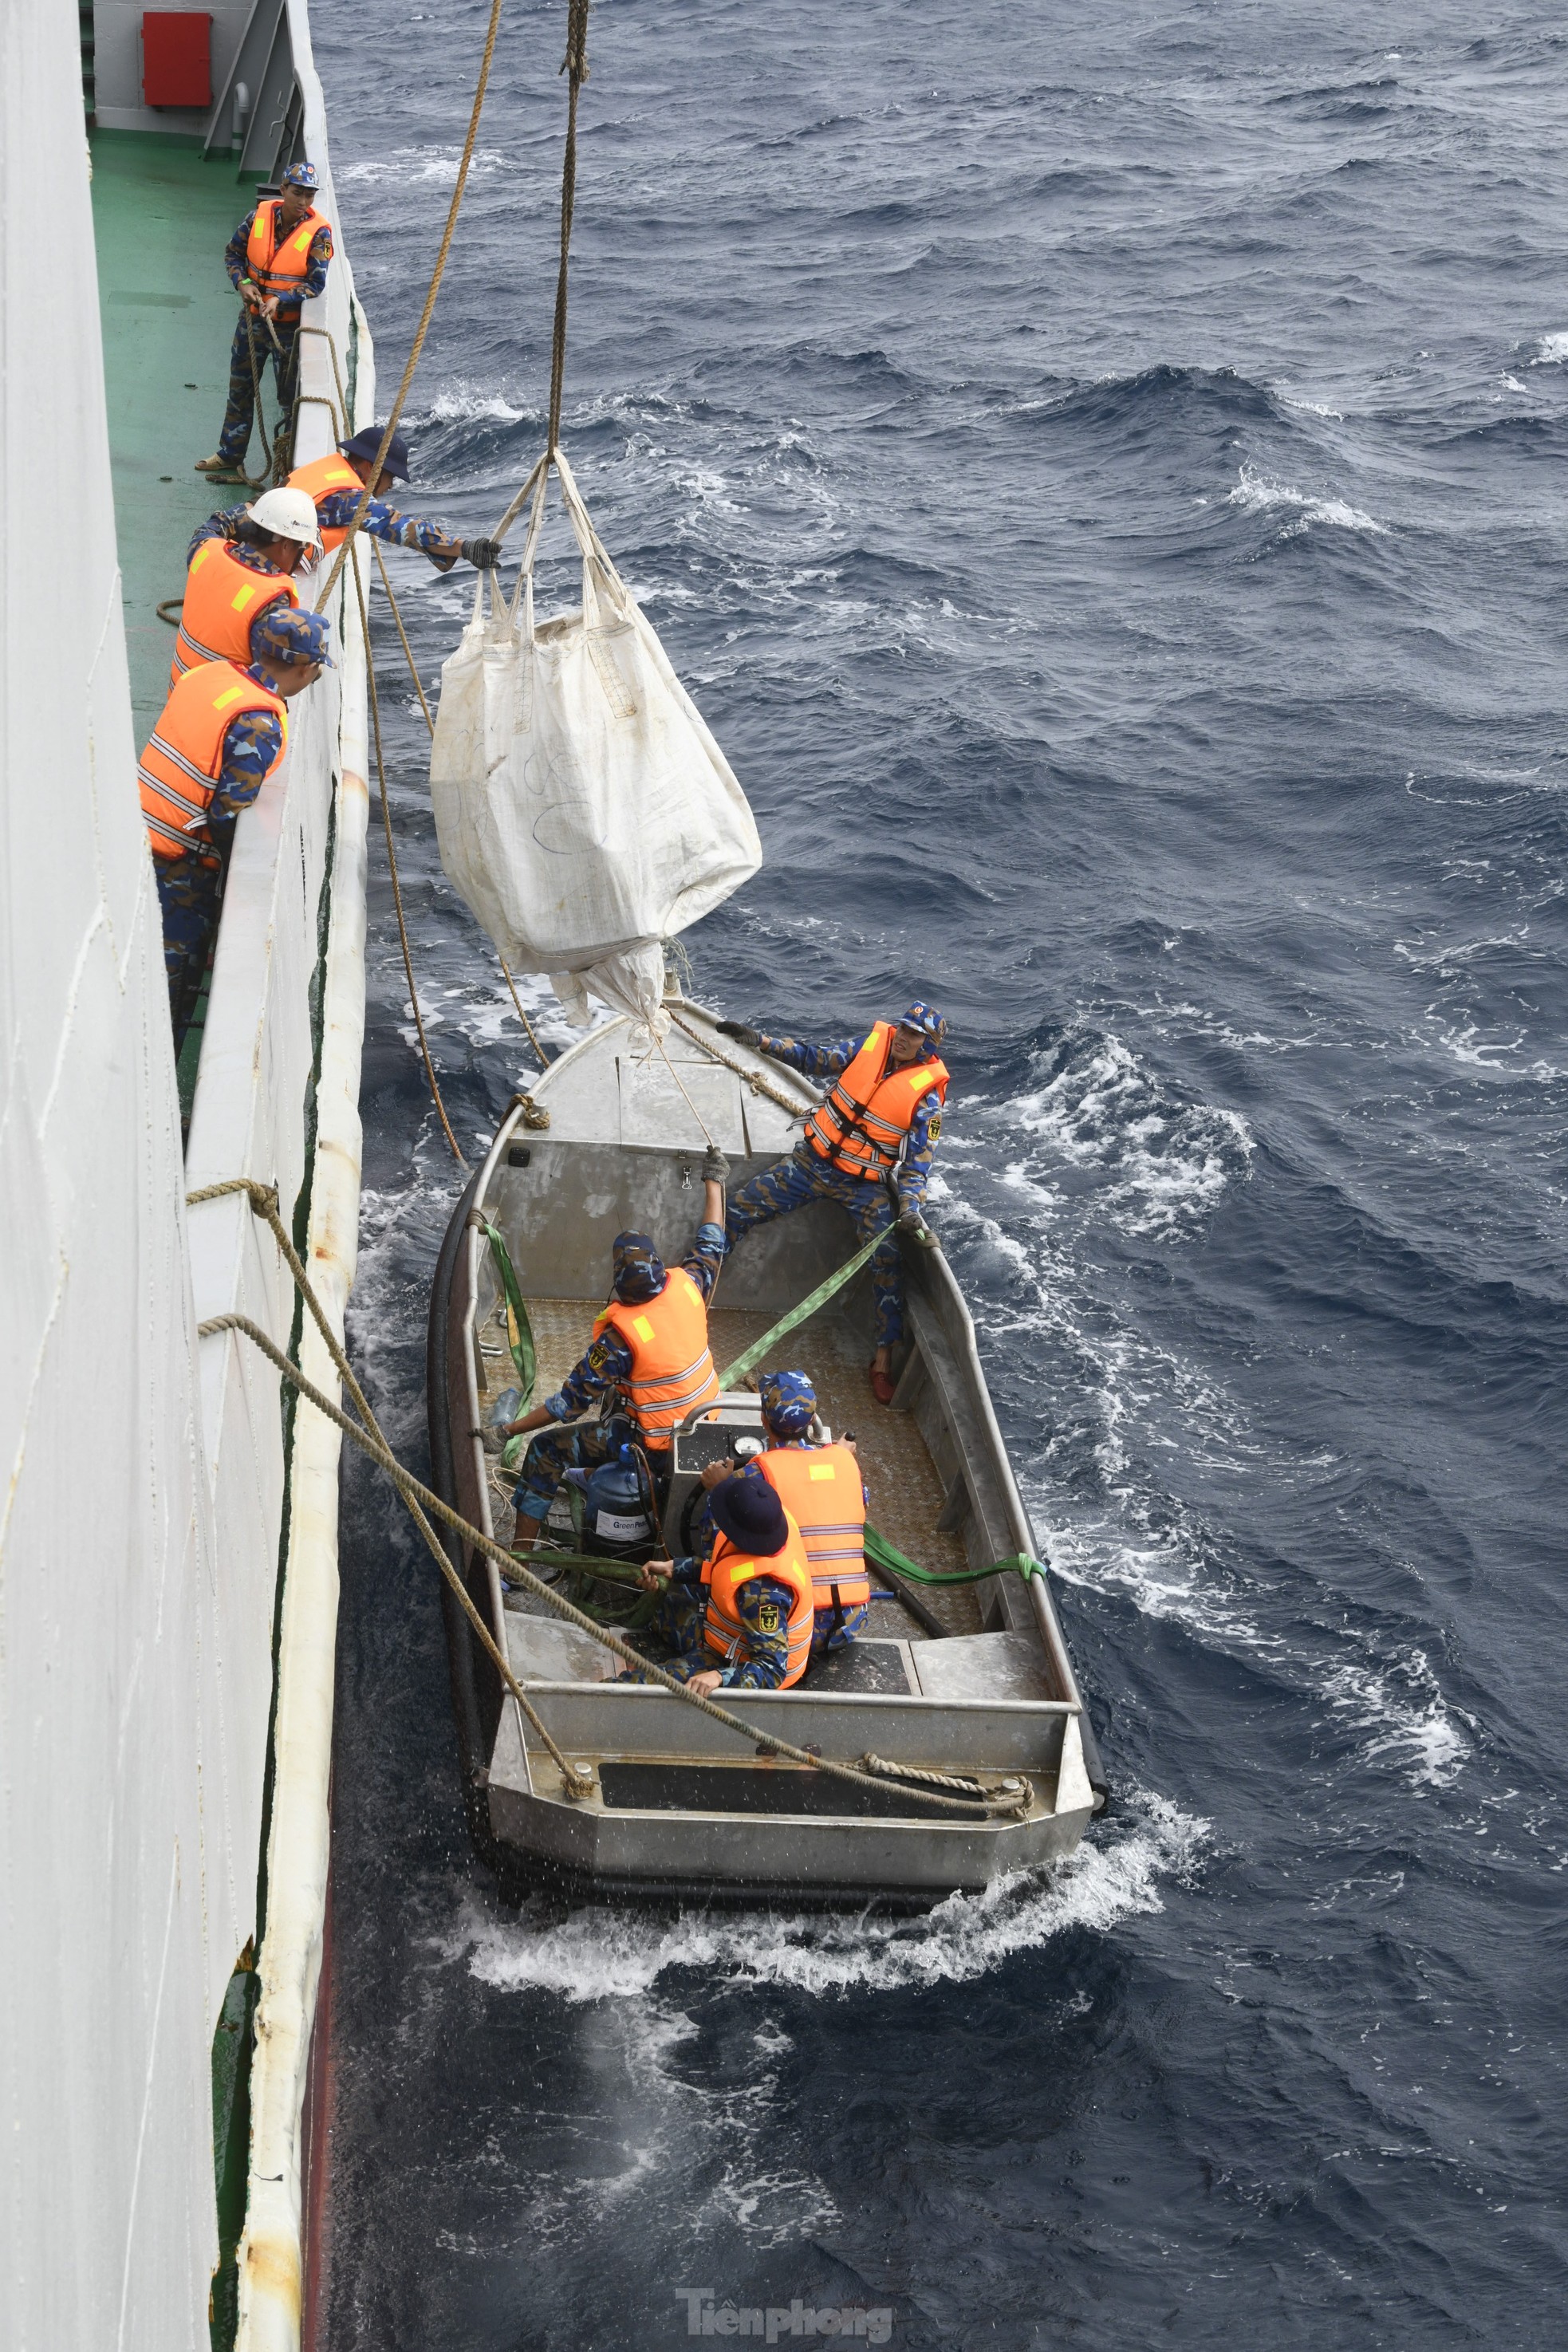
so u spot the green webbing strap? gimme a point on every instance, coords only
(522, 1354)
(808, 1305)
(883, 1554)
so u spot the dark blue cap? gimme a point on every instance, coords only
(749, 1512)
(302, 175)
(639, 1270)
(366, 442)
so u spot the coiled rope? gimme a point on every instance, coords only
(1011, 1797)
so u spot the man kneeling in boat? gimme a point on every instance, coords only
(869, 1147)
(821, 1487)
(651, 1343)
(740, 1619)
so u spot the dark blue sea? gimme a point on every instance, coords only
(1102, 473)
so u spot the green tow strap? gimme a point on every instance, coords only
(522, 1331)
(808, 1306)
(883, 1554)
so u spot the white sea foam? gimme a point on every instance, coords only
(418, 166)
(1167, 1162)
(594, 1955)
(464, 404)
(1258, 493)
(1551, 349)
(1399, 1702)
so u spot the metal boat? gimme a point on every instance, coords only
(975, 1683)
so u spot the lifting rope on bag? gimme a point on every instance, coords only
(584, 812)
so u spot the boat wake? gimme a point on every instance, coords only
(594, 1954)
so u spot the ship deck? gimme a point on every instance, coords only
(161, 219)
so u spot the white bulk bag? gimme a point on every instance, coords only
(583, 809)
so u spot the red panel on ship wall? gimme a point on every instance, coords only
(176, 57)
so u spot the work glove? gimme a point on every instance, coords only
(740, 1034)
(715, 1167)
(911, 1223)
(484, 554)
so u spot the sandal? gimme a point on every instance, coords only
(218, 470)
(882, 1383)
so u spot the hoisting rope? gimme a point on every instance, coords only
(1013, 1794)
(435, 275)
(737, 1372)
(889, 1558)
(392, 866)
(575, 65)
(430, 728)
(758, 1084)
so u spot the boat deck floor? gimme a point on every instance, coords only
(904, 1495)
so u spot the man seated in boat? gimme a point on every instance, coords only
(740, 1619)
(650, 1344)
(821, 1487)
(869, 1147)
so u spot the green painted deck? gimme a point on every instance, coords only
(161, 217)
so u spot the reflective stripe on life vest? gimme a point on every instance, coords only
(726, 1570)
(672, 1367)
(280, 268)
(178, 771)
(222, 599)
(821, 1489)
(862, 1126)
(322, 480)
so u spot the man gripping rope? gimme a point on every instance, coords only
(869, 1147)
(277, 257)
(819, 1483)
(335, 485)
(650, 1344)
(740, 1618)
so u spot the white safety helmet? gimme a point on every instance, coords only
(289, 514)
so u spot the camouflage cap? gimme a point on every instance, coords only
(788, 1402)
(928, 1021)
(282, 634)
(639, 1271)
(302, 175)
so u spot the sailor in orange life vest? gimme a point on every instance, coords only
(279, 254)
(651, 1343)
(821, 1487)
(336, 484)
(241, 566)
(740, 1619)
(218, 737)
(869, 1146)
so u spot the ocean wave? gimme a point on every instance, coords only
(417, 166)
(594, 1954)
(1551, 349)
(1399, 1703)
(1258, 493)
(1168, 1160)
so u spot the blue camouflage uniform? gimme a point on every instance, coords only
(253, 559)
(805, 1176)
(234, 440)
(338, 511)
(763, 1605)
(190, 888)
(639, 1275)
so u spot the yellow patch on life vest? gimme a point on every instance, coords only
(222, 701)
(202, 554)
(245, 597)
(821, 1470)
(642, 1326)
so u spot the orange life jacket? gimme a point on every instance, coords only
(862, 1125)
(178, 771)
(322, 480)
(222, 599)
(820, 1486)
(726, 1569)
(280, 268)
(672, 1369)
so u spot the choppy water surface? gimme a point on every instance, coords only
(1101, 471)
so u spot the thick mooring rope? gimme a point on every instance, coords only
(1012, 1797)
